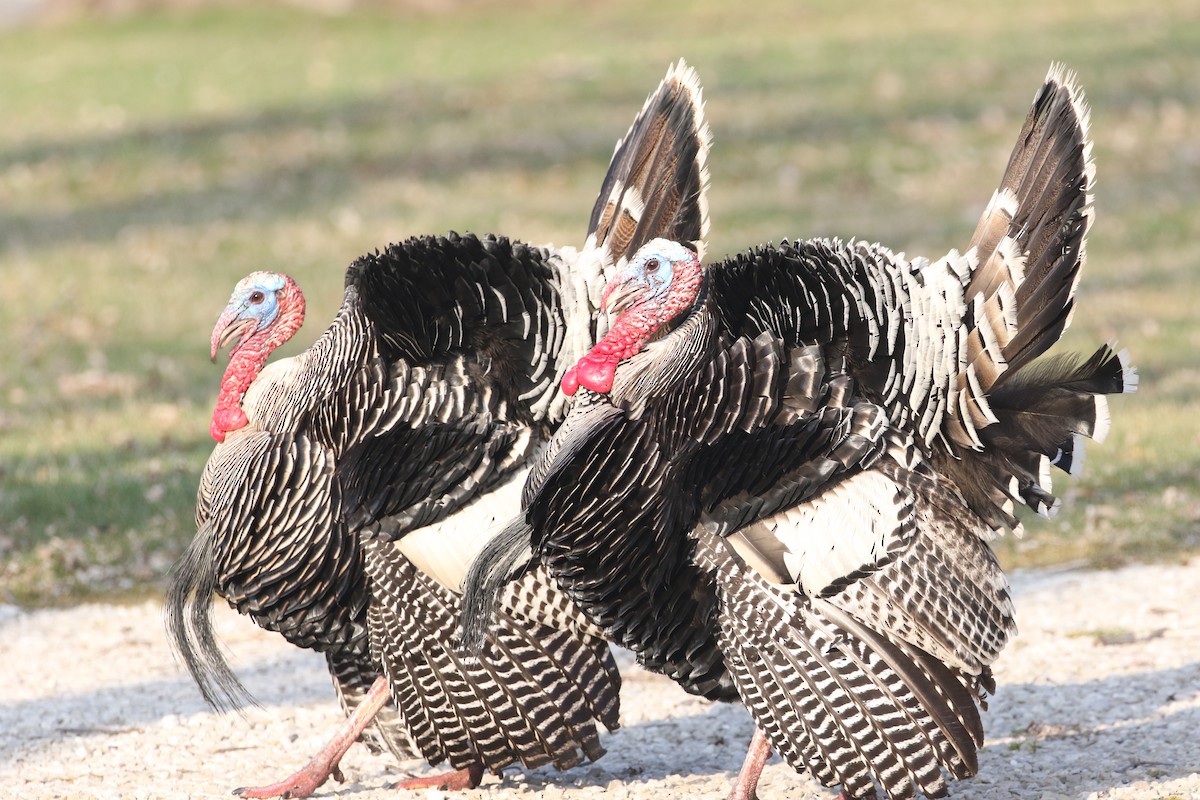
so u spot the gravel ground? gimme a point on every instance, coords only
(1098, 697)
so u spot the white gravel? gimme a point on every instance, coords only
(1099, 697)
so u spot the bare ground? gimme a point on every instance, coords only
(1099, 697)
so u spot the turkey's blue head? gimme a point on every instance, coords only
(264, 311)
(659, 283)
(649, 278)
(257, 303)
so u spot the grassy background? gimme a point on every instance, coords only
(149, 161)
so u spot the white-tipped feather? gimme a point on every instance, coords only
(1004, 200)
(1051, 511)
(1128, 371)
(1044, 479)
(1103, 421)
(1077, 455)
(691, 82)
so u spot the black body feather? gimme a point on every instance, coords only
(791, 493)
(422, 400)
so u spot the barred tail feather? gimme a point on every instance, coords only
(1044, 412)
(1029, 249)
(856, 709)
(1017, 414)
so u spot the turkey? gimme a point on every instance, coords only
(796, 458)
(351, 485)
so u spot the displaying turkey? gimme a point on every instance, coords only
(352, 485)
(797, 456)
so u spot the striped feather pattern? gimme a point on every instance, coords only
(1022, 415)
(531, 697)
(425, 398)
(352, 679)
(791, 489)
(656, 185)
(841, 700)
(308, 584)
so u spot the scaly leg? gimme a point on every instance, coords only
(467, 778)
(746, 785)
(325, 763)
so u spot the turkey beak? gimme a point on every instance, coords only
(228, 329)
(620, 295)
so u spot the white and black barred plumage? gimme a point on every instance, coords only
(373, 462)
(808, 467)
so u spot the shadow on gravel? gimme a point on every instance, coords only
(1072, 739)
(1068, 739)
(291, 679)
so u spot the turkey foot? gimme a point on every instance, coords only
(746, 785)
(466, 778)
(325, 763)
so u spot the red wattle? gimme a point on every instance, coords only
(595, 374)
(225, 420)
(570, 382)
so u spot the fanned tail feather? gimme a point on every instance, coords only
(656, 183)
(1015, 415)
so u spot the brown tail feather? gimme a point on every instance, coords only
(1043, 412)
(1013, 416)
(656, 184)
(1029, 249)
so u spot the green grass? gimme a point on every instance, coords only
(148, 162)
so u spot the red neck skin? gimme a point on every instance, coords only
(629, 335)
(248, 358)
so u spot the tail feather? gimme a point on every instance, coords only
(1015, 414)
(564, 716)
(1029, 245)
(1043, 414)
(656, 183)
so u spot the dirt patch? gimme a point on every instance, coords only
(94, 706)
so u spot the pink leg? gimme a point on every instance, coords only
(746, 786)
(325, 764)
(458, 780)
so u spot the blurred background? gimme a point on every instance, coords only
(152, 153)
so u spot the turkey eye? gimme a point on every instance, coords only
(256, 297)
(652, 265)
